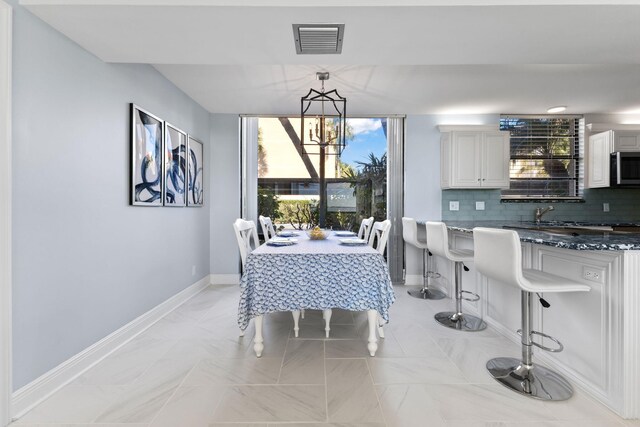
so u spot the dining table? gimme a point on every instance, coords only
(315, 274)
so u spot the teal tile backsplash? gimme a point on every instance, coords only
(624, 205)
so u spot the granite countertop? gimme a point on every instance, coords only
(564, 236)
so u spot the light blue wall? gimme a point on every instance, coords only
(225, 190)
(86, 263)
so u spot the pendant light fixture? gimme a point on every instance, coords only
(323, 124)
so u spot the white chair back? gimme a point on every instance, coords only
(365, 229)
(380, 233)
(438, 239)
(410, 233)
(245, 232)
(498, 255)
(267, 227)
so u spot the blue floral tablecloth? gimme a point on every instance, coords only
(314, 275)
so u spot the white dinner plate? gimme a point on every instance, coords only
(345, 233)
(353, 242)
(281, 241)
(287, 234)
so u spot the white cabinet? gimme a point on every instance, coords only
(626, 141)
(474, 157)
(598, 165)
(601, 145)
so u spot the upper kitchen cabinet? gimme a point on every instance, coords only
(626, 141)
(601, 145)
(598, 165)
(474, 157)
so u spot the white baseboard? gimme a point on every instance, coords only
(225, 279)
(41, 388)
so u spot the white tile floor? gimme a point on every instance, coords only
(192, 369)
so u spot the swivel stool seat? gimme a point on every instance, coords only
(410, 236)
(438, 244)
(498, 255)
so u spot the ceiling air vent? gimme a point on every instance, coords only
(317, 39)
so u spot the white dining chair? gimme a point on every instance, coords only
(365, 228)
(380, 234)
(268, 231)
(247, 236)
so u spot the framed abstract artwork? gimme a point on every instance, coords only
(175, 166)
(195, 170)
(146, 158)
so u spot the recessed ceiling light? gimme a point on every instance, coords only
(558, 109)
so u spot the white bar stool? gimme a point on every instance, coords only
(438, 243)
(498, 255)
(410, 236)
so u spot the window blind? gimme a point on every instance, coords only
(546, 156)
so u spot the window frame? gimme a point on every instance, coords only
(577, 157)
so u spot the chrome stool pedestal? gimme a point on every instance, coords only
(427, 292)
(457, 319)
(525, 377)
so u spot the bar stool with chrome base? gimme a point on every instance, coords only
(410, 236)
(438, 243)
(498, 255)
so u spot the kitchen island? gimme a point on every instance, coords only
(600, 329)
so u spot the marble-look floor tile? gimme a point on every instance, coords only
(579, 408)
(530, 424)
(127, 363)
(303, 363)
(407, 406)
(328, 425)
(279, 403)
(317, 332)
(416, 341)
(412, 370)
(471, 354)
(463, 403)
(193, 369)
(254, 370)
(190, 406)
(350, 391)
(83, 425)
(138, 403)
(73, 404)
(198, 349)
(347, 349)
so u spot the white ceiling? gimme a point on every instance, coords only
(422, 57)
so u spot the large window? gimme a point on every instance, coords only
(288, 174)
(546, 156)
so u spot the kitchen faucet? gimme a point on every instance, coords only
(540, 212)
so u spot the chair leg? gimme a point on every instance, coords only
(326, 315)
(380, 326)
(296, 318)
(372, 346)
(457, 319)
(258, 345)
(523, 376)
(302, 313)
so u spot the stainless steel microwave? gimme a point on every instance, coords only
(625, 169)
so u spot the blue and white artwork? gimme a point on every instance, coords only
(195, 159)
(146, 154)
(175, 166)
